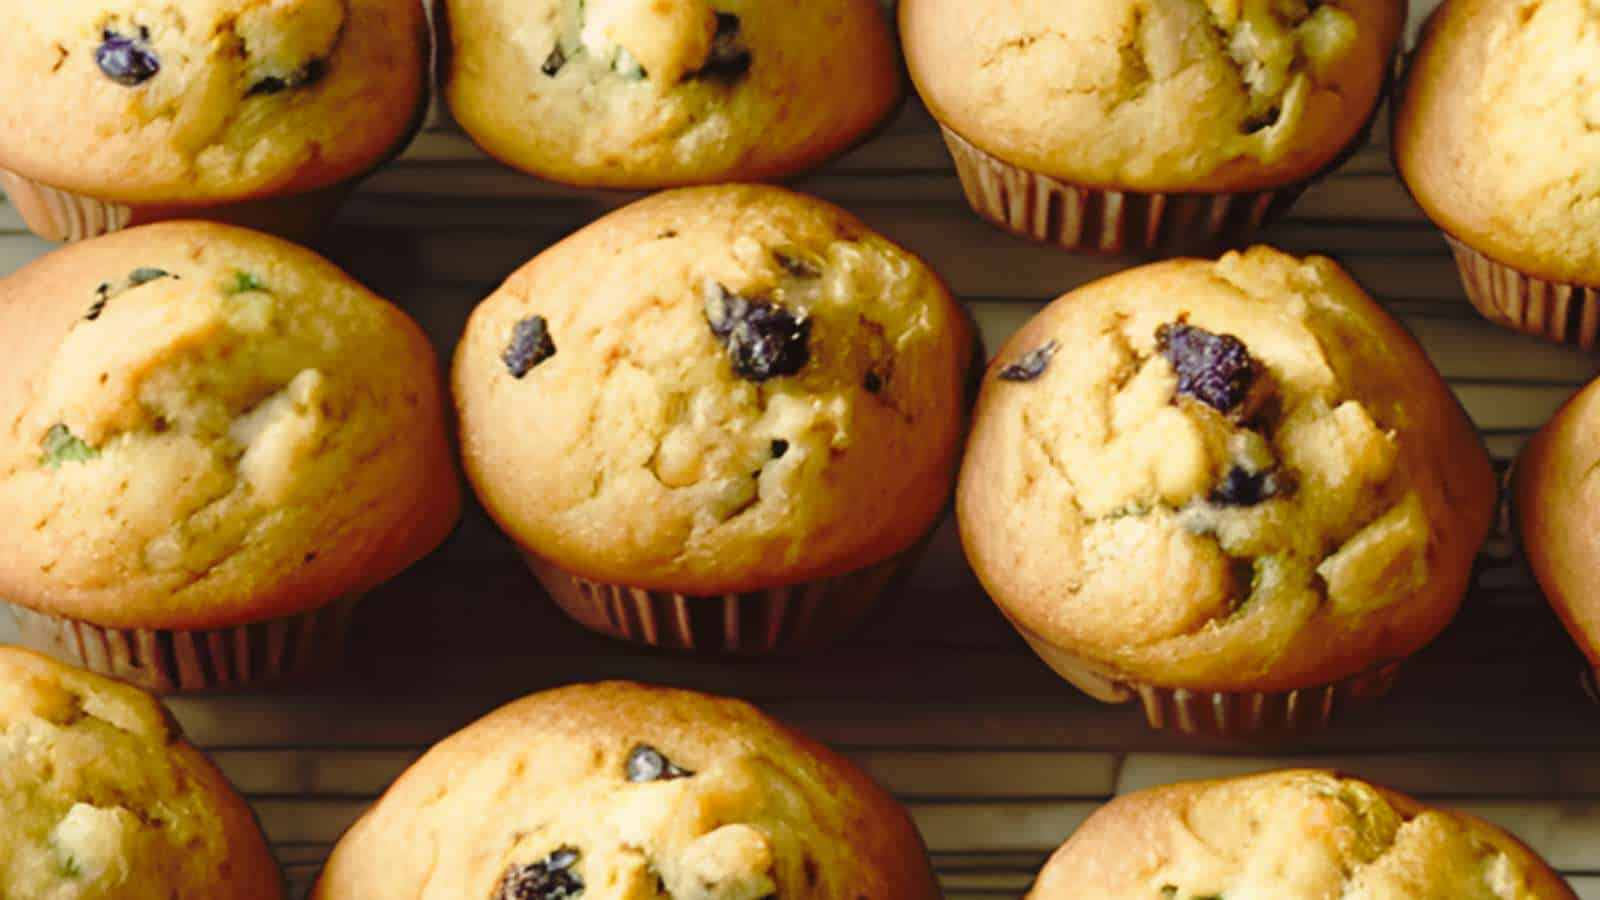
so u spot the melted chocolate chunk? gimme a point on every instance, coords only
(127, 60)
(796, 266)
(530, 345)
(729, 58)
(1215, 369)
(779, 448)
(873, 382)
(1031, 365)
(646, 763)
(764, 340)
(137, 278)
(551, 878)
(311, 73)
(555, 62)
(1242, 488)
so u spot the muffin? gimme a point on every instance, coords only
(665, 93)
(1290, 835)
(121, 112)
(1497, 136)
(101, 798)
(624, 792)
(1119, 126)
(721, 418)
(211, 442)
(1236, 490)
(1553, 500)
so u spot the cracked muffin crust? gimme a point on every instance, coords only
(202, 102)
(101, 798)
(660, 93)
(1498, 132)
(1290, 835)
(1155, 95)
(625, 792)
(1555, 493)
(1239, 475)
(716, 390)
(201, 426)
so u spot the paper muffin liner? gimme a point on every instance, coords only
(1553, 310)
(1244, 715)
(176, 662)
(743, 624)
(1095, 220)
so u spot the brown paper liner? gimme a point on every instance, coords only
(174, 662)
(1094, 220)
(745, 624)
(1224, 714)
(1553, 310)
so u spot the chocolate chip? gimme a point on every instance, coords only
(729, 58)
(667, 235)
(128, 61)
(551, 878)
(1260, 121)
(309, 74)
(1031, 365)
(555, 62)
(1244, 488)
(796, 266)
(779, 448)
(764, 340)
(1215, 369)
(137, 278)
(873, 382)
(646, 763)
(530, 345)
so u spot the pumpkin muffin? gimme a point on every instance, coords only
(211, 442)
(665, 93)
(261, 112)
(1498, 138)
(102, 799)
(625, 792)
(721, 418)
(1290, 835)
(1133, 125)
(1236, 490)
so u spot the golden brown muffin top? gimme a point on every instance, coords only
(1498, 135)
(199, 102)
(624, 792)
(1556, 498)
(1230, 475)
(716, 390)
(662, 93)
(205, 426)
(101, 798)
(1155, 95)
(1290, 835)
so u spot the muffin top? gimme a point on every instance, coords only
(1498, 134)
(1556, 498)
(1290, 835)
(624, 792)
(1155, 95)
(659, 93)
(202, 426)
(1238, 475)
(716, 390)
(102, 799)
(195, 102)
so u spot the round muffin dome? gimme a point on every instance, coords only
(1155, 96)
(102, 799)
(1289, 835)
(202, 426)
(617, 790)
(716, 390)
(661, 93)
(1498, 132)
(201, 102)
(1236, 476)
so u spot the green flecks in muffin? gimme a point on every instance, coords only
(627, 65)
(69, 868)
(60, 445)
(243, 283)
